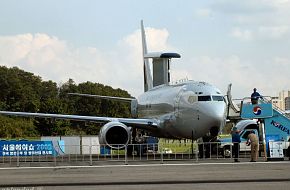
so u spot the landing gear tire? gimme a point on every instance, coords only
(227, 152)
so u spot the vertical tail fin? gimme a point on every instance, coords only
(148, 81)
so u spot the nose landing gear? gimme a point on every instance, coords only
(209, 144)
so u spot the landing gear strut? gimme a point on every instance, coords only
(208, 146)
(130, 145)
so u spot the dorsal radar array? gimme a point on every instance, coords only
(161, 67)
(160, 62)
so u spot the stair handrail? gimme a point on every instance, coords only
(276, 108)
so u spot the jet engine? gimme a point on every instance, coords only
(115, 135)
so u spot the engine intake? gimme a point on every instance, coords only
(115, 135)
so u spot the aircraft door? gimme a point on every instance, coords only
(188, 105)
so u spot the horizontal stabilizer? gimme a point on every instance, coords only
(104, 97)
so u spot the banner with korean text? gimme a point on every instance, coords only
(27, 148)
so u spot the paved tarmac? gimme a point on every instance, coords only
(175, 175)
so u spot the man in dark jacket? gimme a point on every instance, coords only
(236, 141)
(255, 96)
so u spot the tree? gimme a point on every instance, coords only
(17, 128)
(23, 91)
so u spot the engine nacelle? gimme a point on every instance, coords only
(115, 135)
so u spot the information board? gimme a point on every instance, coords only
(26, 148)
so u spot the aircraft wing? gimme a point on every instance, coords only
(138, 123)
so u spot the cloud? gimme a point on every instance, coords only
(205, 12)
(243, 7)
(156, 40)
(55, 59)
(261, 33)
(121, 66)
(255, 19)
(269, 76)
(273, 32)
(33, 52)
(242, 34)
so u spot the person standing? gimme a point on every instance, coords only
(236, 141)
(255, 96)
(254, 142)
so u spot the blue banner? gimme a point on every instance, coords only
(27, 148)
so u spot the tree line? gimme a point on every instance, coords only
(23, 91)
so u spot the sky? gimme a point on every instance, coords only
(246, 43)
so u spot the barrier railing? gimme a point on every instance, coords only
(133, 153)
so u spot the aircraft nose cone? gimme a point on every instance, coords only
(216, 116)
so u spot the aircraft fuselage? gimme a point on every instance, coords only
(186, 110)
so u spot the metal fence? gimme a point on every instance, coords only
(161, 153)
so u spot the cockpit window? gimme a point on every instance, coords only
(204, 98)
(218, 98)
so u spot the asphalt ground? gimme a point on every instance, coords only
(152, 175)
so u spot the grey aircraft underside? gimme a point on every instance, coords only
(187, 109)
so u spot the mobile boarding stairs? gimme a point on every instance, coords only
(274, 123)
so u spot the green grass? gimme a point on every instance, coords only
(175, 146)
(225, 136)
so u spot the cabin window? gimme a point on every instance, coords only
(245, 136)
(218, 98)
(204, 98)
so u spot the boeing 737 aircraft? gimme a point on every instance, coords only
(188, 109)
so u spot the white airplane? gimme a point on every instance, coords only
(188, 109)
